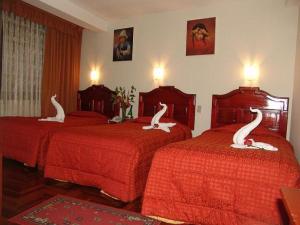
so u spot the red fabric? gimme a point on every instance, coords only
(260, 130)
(205, 181)
(25, 139)
(66, 210)
(87, 114)
(115, 158)
(148, 119)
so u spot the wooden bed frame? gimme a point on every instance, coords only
(97, 98)
(181, 106)
(233, 107)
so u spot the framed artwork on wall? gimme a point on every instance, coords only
(123, 44)
(200, 36)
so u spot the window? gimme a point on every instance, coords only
(22, 66)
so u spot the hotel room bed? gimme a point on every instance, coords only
(116, 158)
(25, 139)
(205, 181)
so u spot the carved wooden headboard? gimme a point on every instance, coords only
(181, 106)
(233, 107)
(97, 98)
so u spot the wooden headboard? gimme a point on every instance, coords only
(97, 98)
(181, 106)
(233, 107)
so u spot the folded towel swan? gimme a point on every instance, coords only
(155, 124)
(239, 138)
(60, 114)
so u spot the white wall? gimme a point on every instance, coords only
(263, 30)
(295, 125)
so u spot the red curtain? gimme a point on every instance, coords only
(62, 55)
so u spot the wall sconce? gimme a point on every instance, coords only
(158, 74)
(94, 76)
(251, 73)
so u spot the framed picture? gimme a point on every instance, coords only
(200, 36)
(123, 44)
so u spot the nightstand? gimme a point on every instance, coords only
(1, 181)
(291, 201)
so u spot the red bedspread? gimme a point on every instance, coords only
(25, 139)
(205, 181)
(115, 158)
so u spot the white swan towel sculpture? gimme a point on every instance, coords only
(60, 114)
(155, 124)
(239, 138)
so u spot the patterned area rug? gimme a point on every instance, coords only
(63, 210)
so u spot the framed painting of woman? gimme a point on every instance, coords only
(200, 37)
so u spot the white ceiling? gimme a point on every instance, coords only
(97, 14)
(121, 9)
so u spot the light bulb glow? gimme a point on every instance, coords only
(251, 72)
(158, 73)
(94, 76)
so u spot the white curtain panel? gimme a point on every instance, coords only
(22, 66)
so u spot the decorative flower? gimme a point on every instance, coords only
(248, 142)
(123, 97)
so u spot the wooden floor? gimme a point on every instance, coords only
(25, 187)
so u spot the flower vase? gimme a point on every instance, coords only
(130, 114)
(123, 113)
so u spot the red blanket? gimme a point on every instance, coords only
(205, 181)
(25, 139)
(115, 158)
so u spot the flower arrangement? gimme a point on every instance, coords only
(125, 99)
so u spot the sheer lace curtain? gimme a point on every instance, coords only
(22, 66)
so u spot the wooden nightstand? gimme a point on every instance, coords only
(1, 182)
(291, 201)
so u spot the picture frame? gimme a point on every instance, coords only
(123, 44)
(200, 36)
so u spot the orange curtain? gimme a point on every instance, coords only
(61, 70)
(62, 55)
